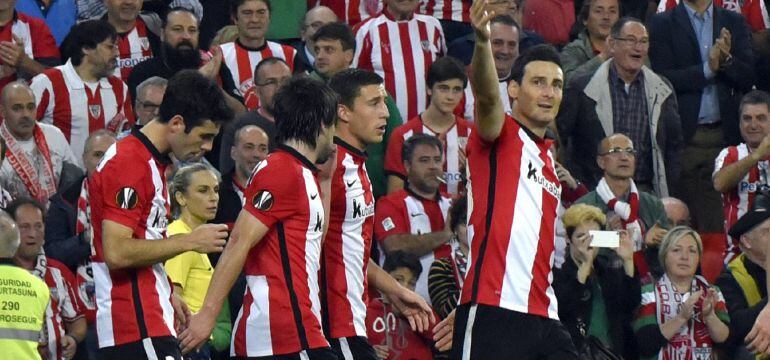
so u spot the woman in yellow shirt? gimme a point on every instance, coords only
(194, 197)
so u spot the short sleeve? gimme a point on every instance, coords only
(70, 307)
(394, 165)
(178, 267)
(272, 194)
(726, 157)
(388, 220)
(125, 193)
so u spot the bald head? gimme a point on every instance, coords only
(19, 110)
(9, 236)
(677, 211)
(610, 141)
(96, 145)
(14, 88)
(315, 18)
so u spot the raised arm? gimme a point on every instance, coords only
(489, 108)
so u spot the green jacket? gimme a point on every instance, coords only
(578, 56)
(650, 207)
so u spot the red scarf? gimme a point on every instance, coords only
(692, 341)
(40, 186)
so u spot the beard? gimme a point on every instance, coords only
(181, 58)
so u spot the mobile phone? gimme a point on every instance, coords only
(605, 239)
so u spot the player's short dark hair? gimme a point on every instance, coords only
(348, 83)
(301, 108)
(401, 259)
(755, 97)
(179, 9)
(458, 213)
(617, 27)
(268, 61)
(446, 68)
(24, 201)
(195, 98)
(235, 4)
(416, 140)
(336, 31)
(542, 52)
(86, 35)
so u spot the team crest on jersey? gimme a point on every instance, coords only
(263, 200)
(425, 45)
(387, 224)
(126, 198)
(95, 110)
(145, 42)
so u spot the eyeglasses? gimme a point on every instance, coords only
(272, 82)
(148, 105)
(617, 151)
(633, 42)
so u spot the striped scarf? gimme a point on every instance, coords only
(692, 342)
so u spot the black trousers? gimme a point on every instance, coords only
(353, 348)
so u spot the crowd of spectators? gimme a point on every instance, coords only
(662, 137)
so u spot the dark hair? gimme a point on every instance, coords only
(22, 201)
(505, 20)
(446, 68)
(755, 97)
(179, 9)
(400, 259)
(618, 26)
(336, 31)
(195, 98)
(542, 52)
(301, 108)
(268, 61)
(86, 35)
(348, 83)
(419, 139)
(235, 4)
(458, 213)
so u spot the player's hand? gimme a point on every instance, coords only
(197, 333)
(625, 249)
(208, 238)
(181, 313)
(480, 19)
(211, 69)
(655, 235)
(763, 150)
(381, 351)
(12, 52)
(442, 333)
(564, 176)
(758, 339)
(413, 307)
(68, 346)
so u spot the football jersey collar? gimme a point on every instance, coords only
(302, 159)
(350, 148)
(162, 158)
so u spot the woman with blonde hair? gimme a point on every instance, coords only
(681, 315)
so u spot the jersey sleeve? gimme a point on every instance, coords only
(388, 220)
(727, 156)
(272, 194)
(126, 194)
(179, 267)
(393, 162)
(362, 59)
(70, 307)
(43, 43)
(43, 89)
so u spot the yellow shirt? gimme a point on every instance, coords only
(23, 301)
(190, 270)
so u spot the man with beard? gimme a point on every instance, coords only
(137, 34)
(83, 92)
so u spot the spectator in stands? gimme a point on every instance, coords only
(597, 289)
(463, 47)
(505, 35)
(138, 35)
(623, 96)
(741, 171)
(240, 57)
(387, 329)
(26, 45)
(677, 212)
(413, 219)
(551, 19)
(446, 276)
(592, 26)
(149, 95)
(708, 84)
(179, 50)
(39, 157)
(314, 19)
(743, 281)
(269, 75)
(5, 196)
(88, 9)
(59, 15)
(454, 16)
(681, 315)
(640, 212)
(446, 81)
(83, 96)
(65, 324)
(194, 197)
(353, 12)
(403, 63)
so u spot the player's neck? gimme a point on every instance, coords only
(191, 220)
(85, 71)
(422, 193)
(28, 264)
(121, 26)
(253, 43)
(438, 120)
(302, 148)
(343, 132)
(618, 186)
(535, 128)
(156, 133)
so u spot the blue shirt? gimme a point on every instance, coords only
(703, 26)
(60, 16)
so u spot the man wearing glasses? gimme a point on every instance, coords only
(149, 95)
(623, 96)
(628, 207)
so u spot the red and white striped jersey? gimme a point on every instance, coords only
(129, 188)
(63, 306)
(352, 12)
(404, 212)
(78, 108)
(401, 52)
(754, 11)
(455, 140)
(739, 200)
(36, 37)
(241, 61)
(455, 10)
(467, 106)
(134, 47)
(281, 312)
(347, 245)
(513, 196)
